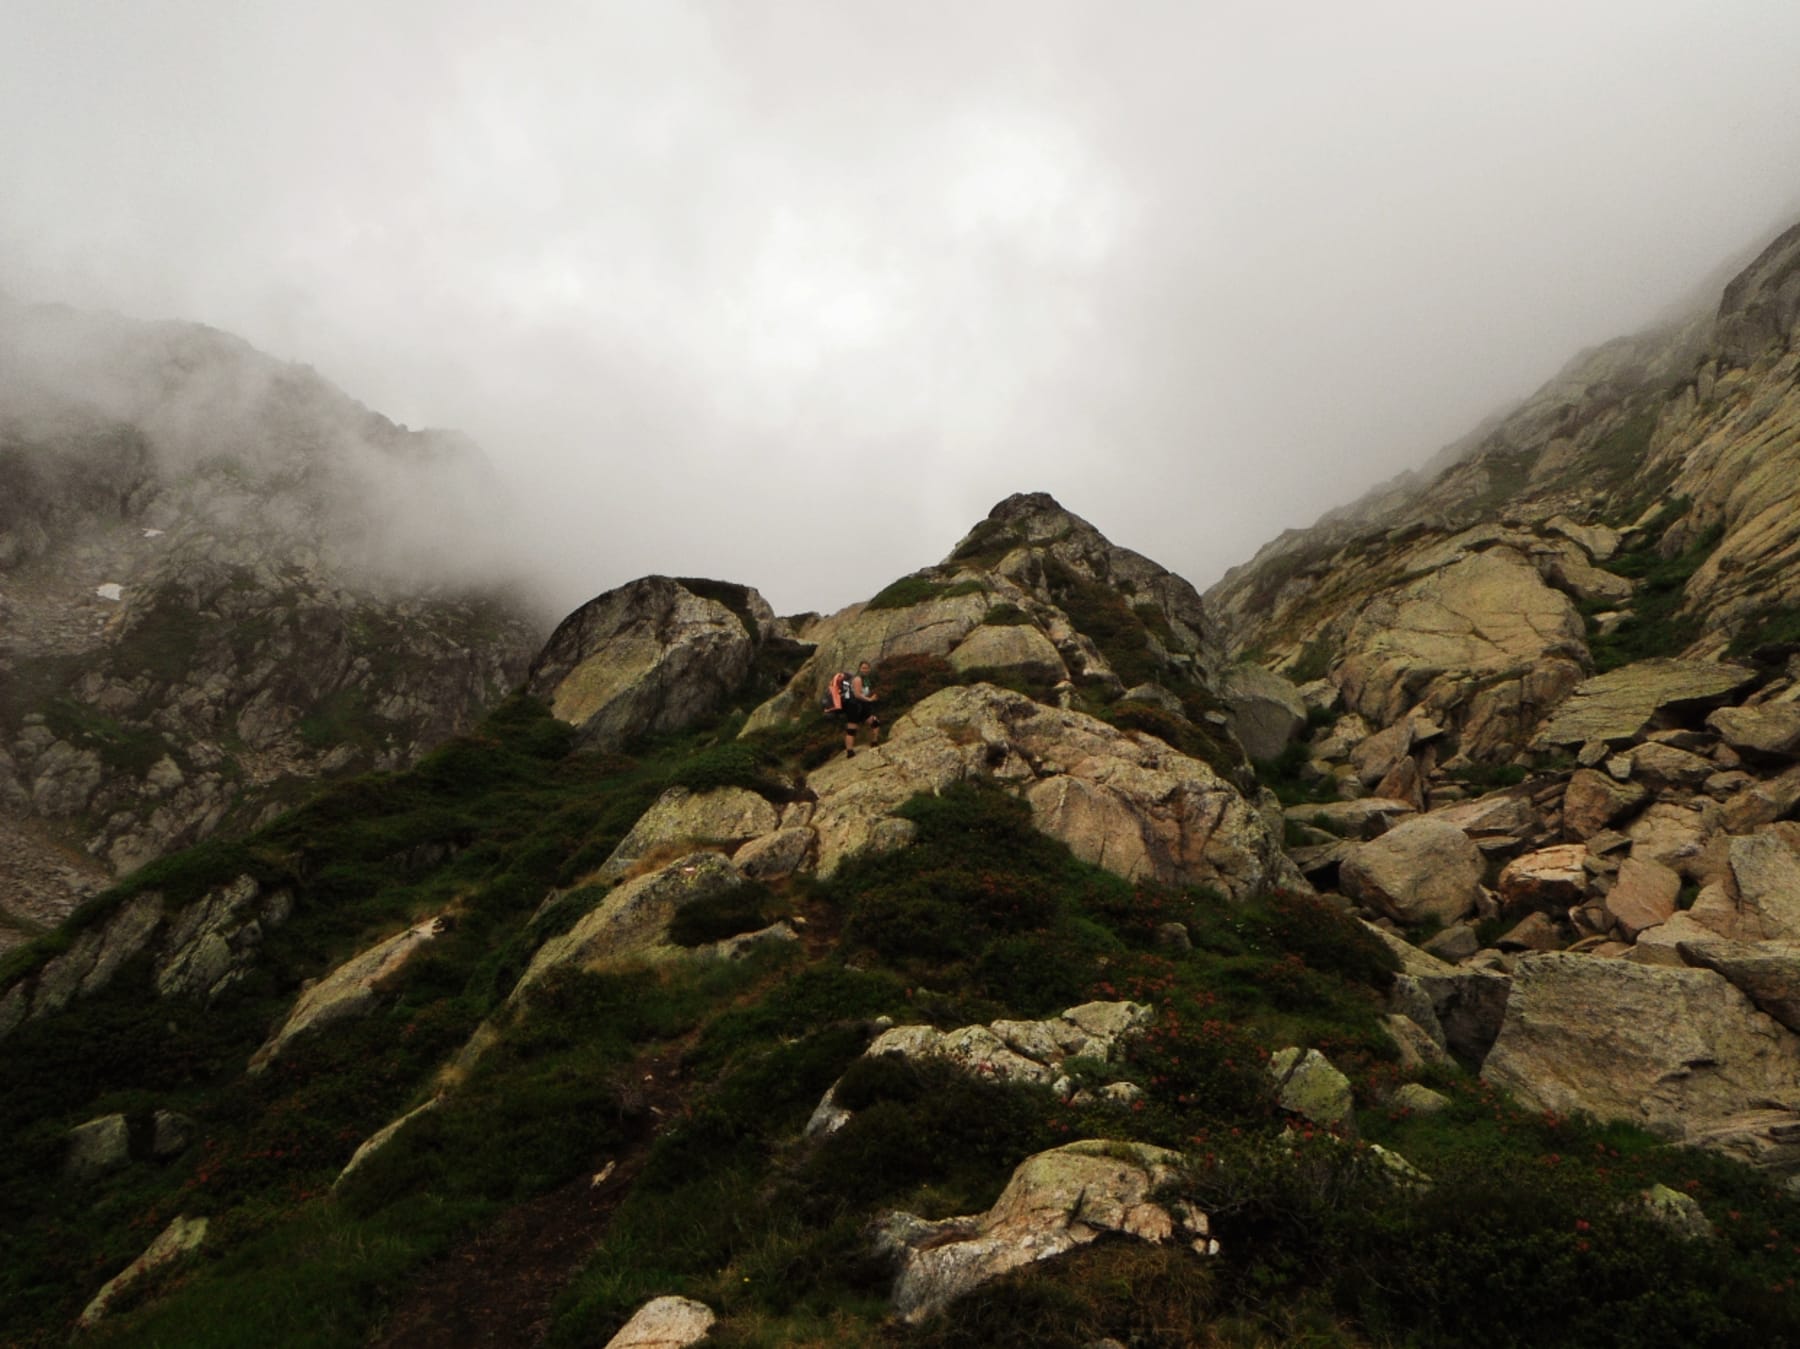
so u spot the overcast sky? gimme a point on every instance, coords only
(792, 293)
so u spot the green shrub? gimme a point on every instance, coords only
(743, 908)
(906, 592)
(1006, 616)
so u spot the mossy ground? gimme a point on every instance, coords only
(982, 917)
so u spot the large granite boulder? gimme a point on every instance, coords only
(1678, 1051)
(1549, 878)
(1120, 799)
(1420, 870)
(1594, 800)
(1055, 1202)
(1264, 710)
(1622, 704)
(182, 1236)
(649, 656)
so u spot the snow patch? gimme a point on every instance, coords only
(112, 590)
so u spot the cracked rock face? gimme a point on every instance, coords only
(1678, 1051)
(1055, 1202)
(1124, 801)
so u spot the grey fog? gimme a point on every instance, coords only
(791, 293)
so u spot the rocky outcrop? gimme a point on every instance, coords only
(1003, 1051)
(648, 657)
(350, 991)
(1620, 706)
(1308, 1085)
(1265, 711)
(1122, 800)
(726, 817)
(632, 922)
(1678, 1051)
(181, 1237)
(1055, 1202)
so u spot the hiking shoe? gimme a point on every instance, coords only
(849, 754)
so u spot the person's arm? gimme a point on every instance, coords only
(861, 690)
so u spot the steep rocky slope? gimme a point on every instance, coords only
(645, 1013)
(1556, 719)
(217, 584)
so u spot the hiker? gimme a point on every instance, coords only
(859, 706)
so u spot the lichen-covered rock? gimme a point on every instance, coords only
(665, 1323)
(378, 1140)
(1622, 704)
(1678, 1051)
(181, 1236)
(1307, 1084)
(649, 656)
(1364, 818)
(212, 942)
(351, 990)
(1055, 1202)
(1015, 650)
(1004, 1051)
(100, 1145)
(775, 855)
(1421, 869)
(1122, 800)
(632, 922)
(725, 816)
(1643, 896)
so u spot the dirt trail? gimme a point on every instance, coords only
(497, 1288)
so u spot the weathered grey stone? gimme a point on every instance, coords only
(171, 1134)
(1767, 972)
(1763, 803)
(1680, 1213)
(1622, 704)
(1767, 872)
(1122, 800)
(1768, 729)
(1366, 818)
(1266, 712)
(1419, 870)
(378, 1140)
(1418, 1099)
(744, 944)
(1454, 943)
(633, 921)
(1677, 1051)
(665, 1323)
(1307, 1084)
(1593, 800)
(1673, 834)
(1665, 765)
(726, 816)
(98, 1146)
(1504, 813)
(181, 1236)
(1054, 1203)
(212, 942)
(350, 991)
(775, 855)
(1643, 896)
(1533, 932)
(1016, 650)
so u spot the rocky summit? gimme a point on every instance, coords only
(1397, 945)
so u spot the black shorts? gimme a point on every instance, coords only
(856, 711)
